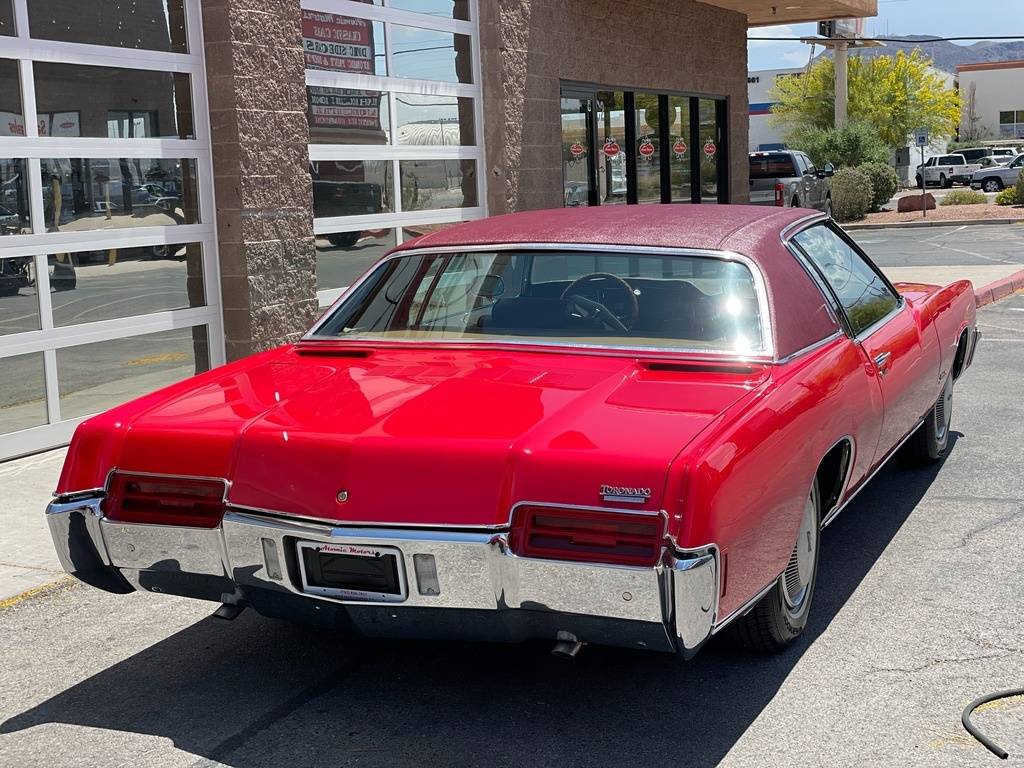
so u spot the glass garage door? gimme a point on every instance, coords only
(108, 277)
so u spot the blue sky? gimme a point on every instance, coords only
(898, 17)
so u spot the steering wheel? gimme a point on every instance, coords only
(591, 308)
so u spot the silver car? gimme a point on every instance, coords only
(999, 177)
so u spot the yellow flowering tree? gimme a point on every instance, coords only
(894, 95)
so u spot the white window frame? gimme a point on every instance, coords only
(396, 153)
(40, 244)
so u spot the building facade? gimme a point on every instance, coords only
(993, 98)
(184, 183)
(763, 135)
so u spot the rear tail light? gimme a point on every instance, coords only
(617, 538)
(779, 194)
(163, 500)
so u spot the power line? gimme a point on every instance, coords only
(894, 39)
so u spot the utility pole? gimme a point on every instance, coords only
(842, 67)
(840, 36)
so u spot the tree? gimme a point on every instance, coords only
(972, 129)
(856, 143)
(893, 94)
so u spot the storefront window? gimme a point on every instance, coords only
(680, 150)
(425, 54)
(99, 376)
(709, 151)
(152, 26)
(335, 43)
(348, 116)
(122, 103)
(444, 9)
(576, 150)
(80, 195)
(15, 216)
(110, 283)
(611, 139)
(7, 19)
(342, 257)
(19, 306)
(22, 393)
(434, 120)
(352, 187)
(438, 184)
(648, 147)
(12, 122)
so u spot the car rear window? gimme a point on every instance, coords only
(772, 166)
(953, 160)
(580, 297)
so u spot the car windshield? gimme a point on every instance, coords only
(579, 297)
(772, 166)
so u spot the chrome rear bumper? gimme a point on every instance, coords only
(486, 591)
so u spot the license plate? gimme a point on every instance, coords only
(357, 572)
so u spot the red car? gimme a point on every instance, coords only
(619, 425)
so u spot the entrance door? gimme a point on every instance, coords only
(626, 147)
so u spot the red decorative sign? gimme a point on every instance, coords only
(337, 43)
(646, 148)
(577, 149)
(680, 147)
(710, 149)
(611, 148)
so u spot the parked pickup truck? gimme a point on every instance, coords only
(945, 170)
(998, 177)
(789, 179)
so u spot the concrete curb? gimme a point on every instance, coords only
(1000, 289)
(919, 224)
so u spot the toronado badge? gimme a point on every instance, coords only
(625, 494)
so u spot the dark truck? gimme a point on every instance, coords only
(788, 179)
(344, 198)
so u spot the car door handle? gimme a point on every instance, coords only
(882, 362)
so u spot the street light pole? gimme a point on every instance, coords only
(842, 81)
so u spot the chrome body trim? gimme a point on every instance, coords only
(810, 348)
(670, 607)
(878, 467)
(747, 607)
(766, 353)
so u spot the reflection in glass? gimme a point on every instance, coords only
(14, 202)
(12, 122)
(428, 55)
(89, 286)
(149, 25)
(347, 116)
(7, 19)
(160, 102)
(576, 151)
(611, 144)
(342, 257)
(22, 392)
(445, 9)
(648, 148)
(709, 151)
(107, 193)
(680, 149)
(19, 309)
(352, 187)
(437, 184)
(335, 43)
(94, 377)
(434, 120)
(418, 230)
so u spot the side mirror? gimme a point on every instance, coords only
(827, 172)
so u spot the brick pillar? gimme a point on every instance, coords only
(256, 81)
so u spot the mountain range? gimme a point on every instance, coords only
(948, 55)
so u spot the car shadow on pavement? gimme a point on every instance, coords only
(257, 692)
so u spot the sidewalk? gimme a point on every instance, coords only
(27, 557)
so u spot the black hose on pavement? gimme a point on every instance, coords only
(965, 718)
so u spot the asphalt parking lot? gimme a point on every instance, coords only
(917, 612)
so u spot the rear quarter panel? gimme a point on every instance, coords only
(947, 312)
(745, 485)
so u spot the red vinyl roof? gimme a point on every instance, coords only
(800, 316)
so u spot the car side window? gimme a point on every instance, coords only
(809, 166)
(862, 292)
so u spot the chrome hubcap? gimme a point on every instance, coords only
(797, 577)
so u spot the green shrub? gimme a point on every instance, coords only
(964, 197)
(884, 182)
(1007, 197)
(851, 194)
(854, 144)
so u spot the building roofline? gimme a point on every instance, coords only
(988, 65)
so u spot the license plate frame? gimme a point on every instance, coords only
(314, 583)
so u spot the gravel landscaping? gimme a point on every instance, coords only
(948, 213)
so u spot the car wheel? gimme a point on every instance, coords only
(992, 185)
(931, 440)
(944, 182)
(796, 202)
(781, 615)
(344, 239)
(920, 182)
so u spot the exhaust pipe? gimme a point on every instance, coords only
(567, 645)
